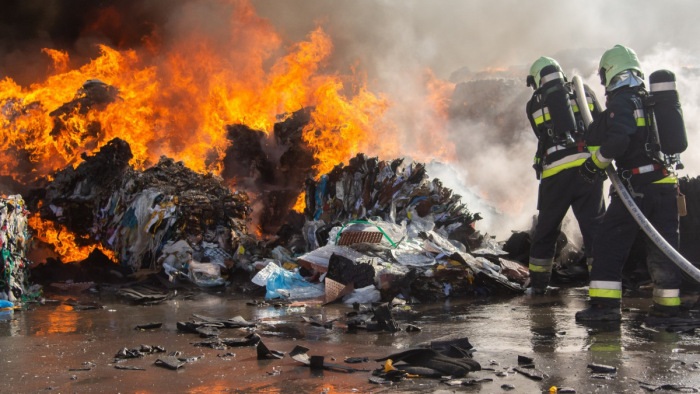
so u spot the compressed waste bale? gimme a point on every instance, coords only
(14, 271)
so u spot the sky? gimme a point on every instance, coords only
(395, 41)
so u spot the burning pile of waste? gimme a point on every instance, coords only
(166, 215)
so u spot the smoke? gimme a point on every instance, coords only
(393, 43)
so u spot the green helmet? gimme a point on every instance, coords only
(535, 71)
(616, 60)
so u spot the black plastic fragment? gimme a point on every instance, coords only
(600, 368)
(356, 360)
(129, 367)
(149, 326)
(266, 354)
(533, 374)
(170, 362)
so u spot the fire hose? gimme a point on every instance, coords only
(628, 201)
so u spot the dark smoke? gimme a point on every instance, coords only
(27, 26)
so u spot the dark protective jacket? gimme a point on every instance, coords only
(551, 157)
(622, 133)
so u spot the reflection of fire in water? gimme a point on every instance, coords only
(63, 241)
(62, 320)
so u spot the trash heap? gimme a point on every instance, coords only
(14, 272)
(393, 191)
(376, 230)
(165, 216)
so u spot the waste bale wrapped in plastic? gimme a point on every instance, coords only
(136, 213)
(14, 271)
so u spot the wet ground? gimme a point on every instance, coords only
(55, 347)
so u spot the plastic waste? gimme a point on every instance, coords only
(176, 255)
(321, 256)
(205, 274)
(313, 290)
(419, 224)
(363, 295)
(282, 283)
(6, 308)
(412, 258)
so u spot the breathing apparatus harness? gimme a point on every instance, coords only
(555, 115)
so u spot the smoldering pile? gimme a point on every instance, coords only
(380, 229)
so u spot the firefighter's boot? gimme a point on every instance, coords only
(600, 312)
(664, 311)
(540, 274)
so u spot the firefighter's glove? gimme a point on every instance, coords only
(590, 172)
(538, 170)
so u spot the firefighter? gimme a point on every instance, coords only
(623, 135)
(553, 112)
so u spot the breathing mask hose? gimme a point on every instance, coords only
(627, 199)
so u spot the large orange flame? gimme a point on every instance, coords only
(175, 101)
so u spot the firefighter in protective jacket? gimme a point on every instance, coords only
(624, 136)
(554, 114)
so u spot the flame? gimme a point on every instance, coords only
(176, 101)
(300, 204)
(63, 241)
(434, 142)
(341, 127)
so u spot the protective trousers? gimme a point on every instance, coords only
(557, 193)
(616, 236)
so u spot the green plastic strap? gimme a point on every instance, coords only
(363, 222)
